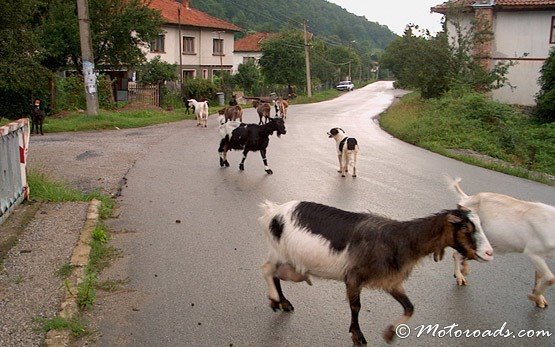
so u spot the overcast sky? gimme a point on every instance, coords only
(396, 14)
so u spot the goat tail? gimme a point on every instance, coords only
(454, 184)
(268, 208)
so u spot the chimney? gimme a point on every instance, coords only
(483, 46)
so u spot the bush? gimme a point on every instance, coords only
(199, 88)
(545, 109)
(70, 93)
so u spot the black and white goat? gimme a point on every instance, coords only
(513, 226)
(361, 249)
(248, 138)
(347, 151)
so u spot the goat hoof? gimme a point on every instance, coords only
(286, 306)
(241, 167)
(226, 163)
(358, 338)
(343, 175)
(539, 300)
(389, 334)
(274, 305)
(269, 172)
(354, 176)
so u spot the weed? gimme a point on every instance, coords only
(65, 270)
(19, 279)
(86, 293)
(77, 327)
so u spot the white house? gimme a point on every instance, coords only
(248, 48)
(523, 31)
(199, 44)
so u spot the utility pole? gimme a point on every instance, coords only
(87, 58)
(350, 50)
(180, 47)
(307, 61)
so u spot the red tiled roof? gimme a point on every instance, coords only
(501, 4)
(251, 43)
(189, 15)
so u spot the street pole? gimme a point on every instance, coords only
(221, 56)
(87, 58)
(180, 47)
(307, 62)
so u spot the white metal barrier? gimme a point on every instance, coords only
(14, 143)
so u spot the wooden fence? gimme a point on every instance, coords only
(144, 94)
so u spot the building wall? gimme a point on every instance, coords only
(203, 57)
(240, 58)
(524, 37)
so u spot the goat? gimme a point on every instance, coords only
(201, 111)
(248, 137)
(348, 154)
(362, 249)
(37, 117)
(281, 107)
(263, 109)
(232, 113)
(513, 226)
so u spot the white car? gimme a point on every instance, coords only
(345, 85)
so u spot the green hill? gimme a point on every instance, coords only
(327, 21)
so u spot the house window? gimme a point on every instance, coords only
(188, 45)
(205, 73)
(189, 74)
(218, 47)
(552, 38)
(157, 45)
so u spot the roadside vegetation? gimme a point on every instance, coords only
(474, 129)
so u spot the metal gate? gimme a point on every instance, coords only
(14, 142)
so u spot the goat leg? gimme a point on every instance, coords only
(542, 271)
(399, 295)
(265, 161)
(460, 262)
(353, 295)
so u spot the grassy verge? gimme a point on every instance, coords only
(476, 130)
(101, 254)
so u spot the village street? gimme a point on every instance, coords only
(192, 244)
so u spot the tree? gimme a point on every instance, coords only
(282, 60)
(248, 76)
(157, 71)
(420, 62)
(21, 75)
(119, 29)
(545, 98)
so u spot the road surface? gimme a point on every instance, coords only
(192, 245)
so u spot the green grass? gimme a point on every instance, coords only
(517, 144)
(43, 188)
(77, 327)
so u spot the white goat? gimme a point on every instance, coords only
(513, 226)
(201, 111)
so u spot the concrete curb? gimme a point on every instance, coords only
(79, 259)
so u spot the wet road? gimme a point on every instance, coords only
(198, 282)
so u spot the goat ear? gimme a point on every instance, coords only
(438, 254)
(451, 218)
(463, 208)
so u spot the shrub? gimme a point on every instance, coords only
(545, 99)
(199, 88)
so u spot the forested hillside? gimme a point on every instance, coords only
(327, 21)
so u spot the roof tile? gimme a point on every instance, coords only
(251, 43)
(189, 15)
(501, 4)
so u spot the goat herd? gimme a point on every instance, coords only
(307, 239)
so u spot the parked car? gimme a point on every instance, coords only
(345, 85)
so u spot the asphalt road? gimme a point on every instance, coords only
(198, 282)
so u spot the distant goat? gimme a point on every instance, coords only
(248, 137)
(263, 109)
(513, 226)
(37, 117)
(201, 111)
(232, 113)
(281, 107)
(361, 249)
(347, 151)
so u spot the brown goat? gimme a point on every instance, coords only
(263, 109)
(232, 113)
(361, 249)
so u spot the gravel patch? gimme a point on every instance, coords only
(29, 286)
